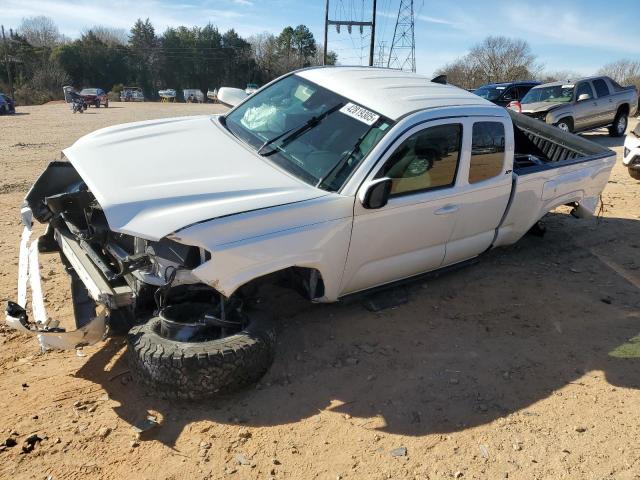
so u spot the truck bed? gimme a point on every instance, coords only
(551, 168)
(539, 146)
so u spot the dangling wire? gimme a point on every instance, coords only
(160, 295)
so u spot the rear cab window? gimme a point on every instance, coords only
(487, 151)
(602, 89)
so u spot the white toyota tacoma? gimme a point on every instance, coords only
(337, 180)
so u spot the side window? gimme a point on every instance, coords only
(487, 151)
(510, 94)
(601, 87)
(584, 87)
(426, 160)
(523, 90)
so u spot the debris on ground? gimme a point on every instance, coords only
(30, 443)
(145, 425)
(399, 452)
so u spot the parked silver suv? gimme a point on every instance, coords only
(585, 104)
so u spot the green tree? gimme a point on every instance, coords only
(144, 56)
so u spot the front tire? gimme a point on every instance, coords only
(196, 370)
(619, 125)
(566, 125)
(635, 174)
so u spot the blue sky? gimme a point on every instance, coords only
(576, 35)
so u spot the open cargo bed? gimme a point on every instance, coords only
(539, 146)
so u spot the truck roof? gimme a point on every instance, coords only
(392, 93)
(518, 82)
(570, 81)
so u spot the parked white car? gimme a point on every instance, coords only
(631, 156)
(335, 179)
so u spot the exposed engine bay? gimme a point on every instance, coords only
(125, 279)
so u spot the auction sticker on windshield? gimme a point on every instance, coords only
(360, 113)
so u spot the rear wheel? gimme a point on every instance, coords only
(566, 125)
(3, 109)
(198, 369)
(619, 125)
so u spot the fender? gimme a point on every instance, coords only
(311, 234)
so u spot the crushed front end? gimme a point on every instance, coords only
(117, 280)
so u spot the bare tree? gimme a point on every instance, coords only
(265, 53)
(557, 76)
(40, 31)
(625, 72)
(111, 36)
(495, 59)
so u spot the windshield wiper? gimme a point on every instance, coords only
(295, 132)
(340, 163)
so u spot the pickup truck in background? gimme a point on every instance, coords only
(329, 180)
(585, 104)
(631, 154)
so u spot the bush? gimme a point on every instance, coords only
(114, 94)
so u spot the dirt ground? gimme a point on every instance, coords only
(523, 366)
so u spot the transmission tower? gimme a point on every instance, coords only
(402, 55)
(382, 54)
(349, 24)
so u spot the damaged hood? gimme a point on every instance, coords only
(152, 178)
(538, 107)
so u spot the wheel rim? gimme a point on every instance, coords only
(564, 127)
(622, 124)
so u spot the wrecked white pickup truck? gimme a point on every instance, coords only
(337, 179)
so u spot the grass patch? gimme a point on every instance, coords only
(630, 349)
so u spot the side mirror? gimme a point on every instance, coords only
(231, 96)
(583, 97)
(377, 193)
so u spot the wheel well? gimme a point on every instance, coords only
(568, 119)
(306, 281)
(624, 108)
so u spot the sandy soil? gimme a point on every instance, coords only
(524, 366)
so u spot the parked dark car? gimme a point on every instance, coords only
(95, 97)
(504, 93)
(7, 105)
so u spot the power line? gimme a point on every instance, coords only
(350, 23)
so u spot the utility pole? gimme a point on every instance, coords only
(373, 34)
(349, 24)
(326, 32)
(6, 63)
(402, 55)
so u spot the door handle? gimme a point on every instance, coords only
(447, 209)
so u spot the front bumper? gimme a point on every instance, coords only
(91, 316)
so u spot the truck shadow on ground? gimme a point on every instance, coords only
(601, 137)
(469, 347)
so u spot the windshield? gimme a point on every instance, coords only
(490, 93)
(555, 94)
(89, 91)
(311, 132)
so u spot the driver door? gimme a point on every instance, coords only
(409, 234)
(586, 111)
